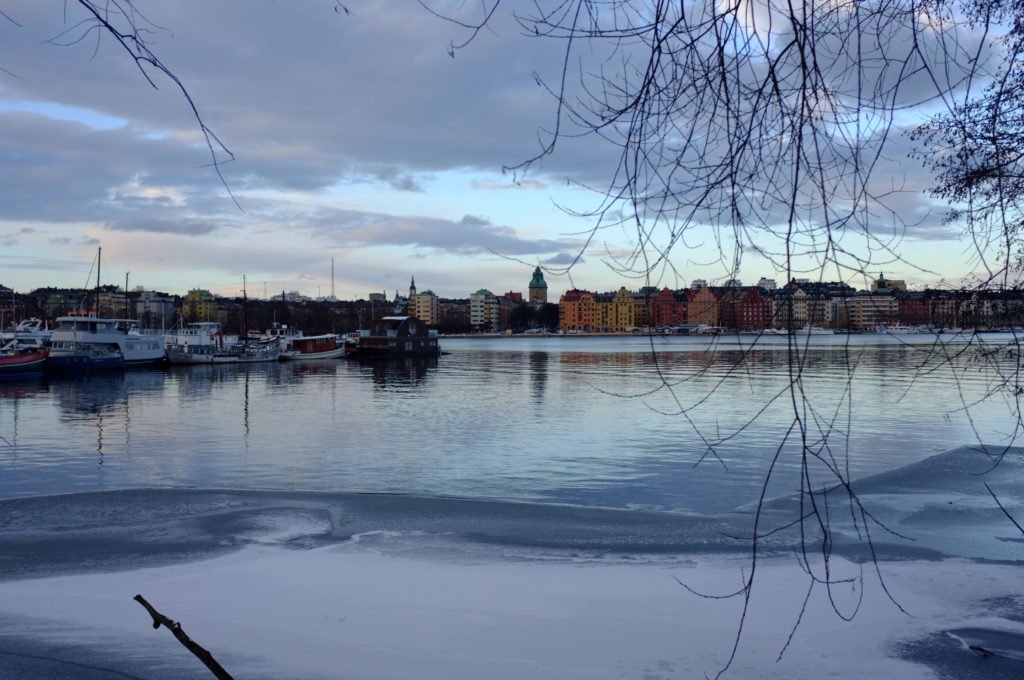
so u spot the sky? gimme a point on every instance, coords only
(357, 138)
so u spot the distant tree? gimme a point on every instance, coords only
(522, 317)
(548, 317)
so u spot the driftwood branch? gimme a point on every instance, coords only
(175, 628)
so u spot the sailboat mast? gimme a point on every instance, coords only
(245, 311)
(99, 257)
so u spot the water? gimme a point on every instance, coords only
(679, 425)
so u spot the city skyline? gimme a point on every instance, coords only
(355, 137)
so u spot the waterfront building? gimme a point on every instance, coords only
(944, 308)
(199, 305)
(577, 311)
(624, 312)
(538, 289)
(663, 308)
(484, 314)
(702, 306)
(866, 311)
(155, 310)
(913, 310)
(426, 307)
(884, 285)
(745, 309)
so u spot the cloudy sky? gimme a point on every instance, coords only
(356, 137)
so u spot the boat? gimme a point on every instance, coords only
(813, 330)
(86, 341)
(16, 360)
(394, 336)
(246, 352)
(205, 333)
(29, 333)
(899, 329)
(282, 333)
(310, 347)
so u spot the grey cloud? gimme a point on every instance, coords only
(186, 227)
(564, 259)
(511, 184)
(468, 235)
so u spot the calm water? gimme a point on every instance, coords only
(592, 421)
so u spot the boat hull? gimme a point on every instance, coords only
(312, 356)
(22, 363)
(206, 354)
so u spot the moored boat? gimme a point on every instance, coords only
(250, 352)
(394, 336)
(310, 347)
(91, 342)
(28, 333)
(18, 361)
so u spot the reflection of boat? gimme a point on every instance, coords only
(309, 347)
(89, 341)
(17, 361)
(395, 336)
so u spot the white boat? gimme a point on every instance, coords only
(900, 330)
(283, 334)
(88, 341)
(28, 334)
(813, 330)
(310, 347)
(204, 333)
(249, 352)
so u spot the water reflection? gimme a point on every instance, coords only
(546, 421)
(399, 372)
(538, 375)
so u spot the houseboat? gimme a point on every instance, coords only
(394, 336)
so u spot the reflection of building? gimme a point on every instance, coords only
(538, 288)
(199, 305)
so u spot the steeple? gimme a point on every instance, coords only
(412, 288)
(538, 288)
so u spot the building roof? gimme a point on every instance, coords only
(538, 279)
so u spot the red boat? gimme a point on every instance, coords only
(15, 361)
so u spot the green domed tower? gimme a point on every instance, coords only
(538, 288)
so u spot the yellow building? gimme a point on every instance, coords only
(623, 313)
(426, 307)
(199, 305)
